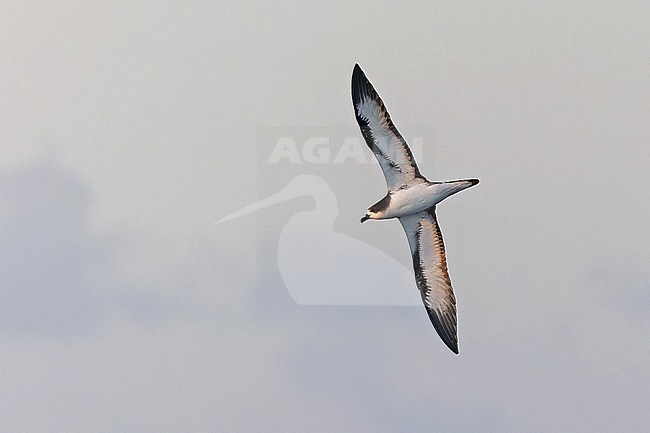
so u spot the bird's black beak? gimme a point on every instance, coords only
(365, 218)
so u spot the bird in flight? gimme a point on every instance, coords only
(412, 199)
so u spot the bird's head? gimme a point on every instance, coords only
(372, 215)
(378, 210)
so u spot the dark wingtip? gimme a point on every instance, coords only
(474, 181)
(361, 87)
(357, 73)
(452, 345)
(446, 331)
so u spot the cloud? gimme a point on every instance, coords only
(54, 271)
(61, 278)
(136, 332)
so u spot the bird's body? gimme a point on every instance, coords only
(412, 199)
(417, 198)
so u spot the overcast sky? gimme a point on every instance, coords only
(129, 129)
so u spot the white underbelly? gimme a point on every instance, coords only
(412, 200)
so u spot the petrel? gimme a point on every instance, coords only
(412, 199)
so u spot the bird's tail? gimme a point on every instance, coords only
(451, 187)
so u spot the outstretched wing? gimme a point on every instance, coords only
(431, 276)
(385, 141)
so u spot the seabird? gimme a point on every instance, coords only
(412, 199)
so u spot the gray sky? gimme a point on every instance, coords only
(129, 130)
